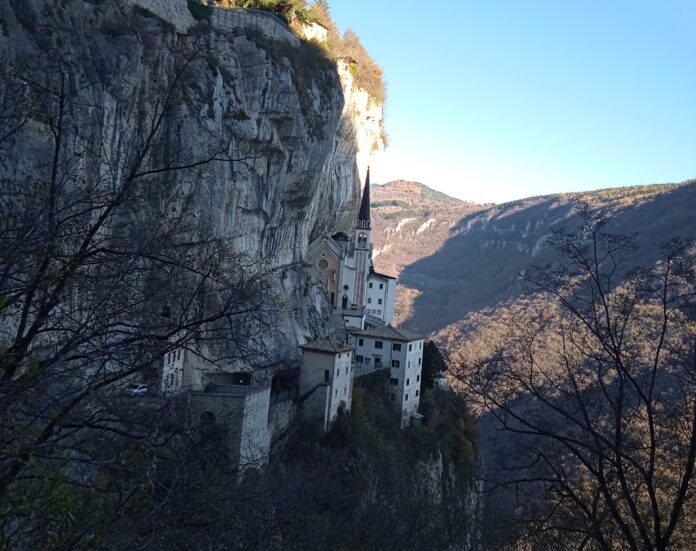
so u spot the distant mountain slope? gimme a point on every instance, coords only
(474, 256)
(411, 221)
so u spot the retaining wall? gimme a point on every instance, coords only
(176, 12)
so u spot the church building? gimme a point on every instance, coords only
(358, 294)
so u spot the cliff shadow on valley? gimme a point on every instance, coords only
(487, 256)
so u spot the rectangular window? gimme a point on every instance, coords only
(393, 397)
(345, 390)
(178, 356)
(360, 342)
(417, 392)
(393, 382)
(378, 360)
(370, 285)
(338, 372)
(336, 393)
(406, 398)
(369, 301)
(408, 382)
(378, 344)
(359, 359)
(419, 360)
(417, 378)
(396, 347)
(395, 363)
(326, 375)
(410, 347)
(379, 301)
(381, 285)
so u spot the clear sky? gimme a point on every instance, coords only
(497, 100)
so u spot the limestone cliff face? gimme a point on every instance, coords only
(246, 87)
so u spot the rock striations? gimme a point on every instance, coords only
(293, 136)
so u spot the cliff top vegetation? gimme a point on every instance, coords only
(367, 74)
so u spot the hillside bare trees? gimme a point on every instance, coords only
(594, 398)
(102, 273)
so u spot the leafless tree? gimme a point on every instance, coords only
(102, 273)
(595, 398)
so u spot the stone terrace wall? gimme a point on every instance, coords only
(177, 13)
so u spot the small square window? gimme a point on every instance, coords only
(359, 359)
(395, 363)
(381, 285)
(393, 382)
(379, 344)
(396, 347)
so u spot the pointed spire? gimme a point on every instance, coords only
(364, 214)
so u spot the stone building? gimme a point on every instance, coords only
(326, 380)
(242, 412)
(399, 351)
(221, 399)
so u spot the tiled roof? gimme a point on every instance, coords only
(387, 332)
(380, 275)
(332, 346)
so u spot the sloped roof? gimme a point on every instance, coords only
(330, 346)
(380, 275)
(387, 332)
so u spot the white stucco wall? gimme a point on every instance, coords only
(255, 441)
(380, 297)
(405, 376)
(322, 371)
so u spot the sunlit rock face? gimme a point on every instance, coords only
(294, 139)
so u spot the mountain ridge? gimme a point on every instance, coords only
(473, 256)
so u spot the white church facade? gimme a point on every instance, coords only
(362, 301)
(357, 292)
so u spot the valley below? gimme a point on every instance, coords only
(457, 261)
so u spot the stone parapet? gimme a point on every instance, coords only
(176, 13)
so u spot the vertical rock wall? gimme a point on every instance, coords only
(249, 87)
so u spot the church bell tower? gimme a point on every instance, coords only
(363, 245)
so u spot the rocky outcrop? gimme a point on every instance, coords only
(246, 87)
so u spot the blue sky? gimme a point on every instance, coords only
(497, 100)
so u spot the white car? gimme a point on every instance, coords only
(136, 390)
